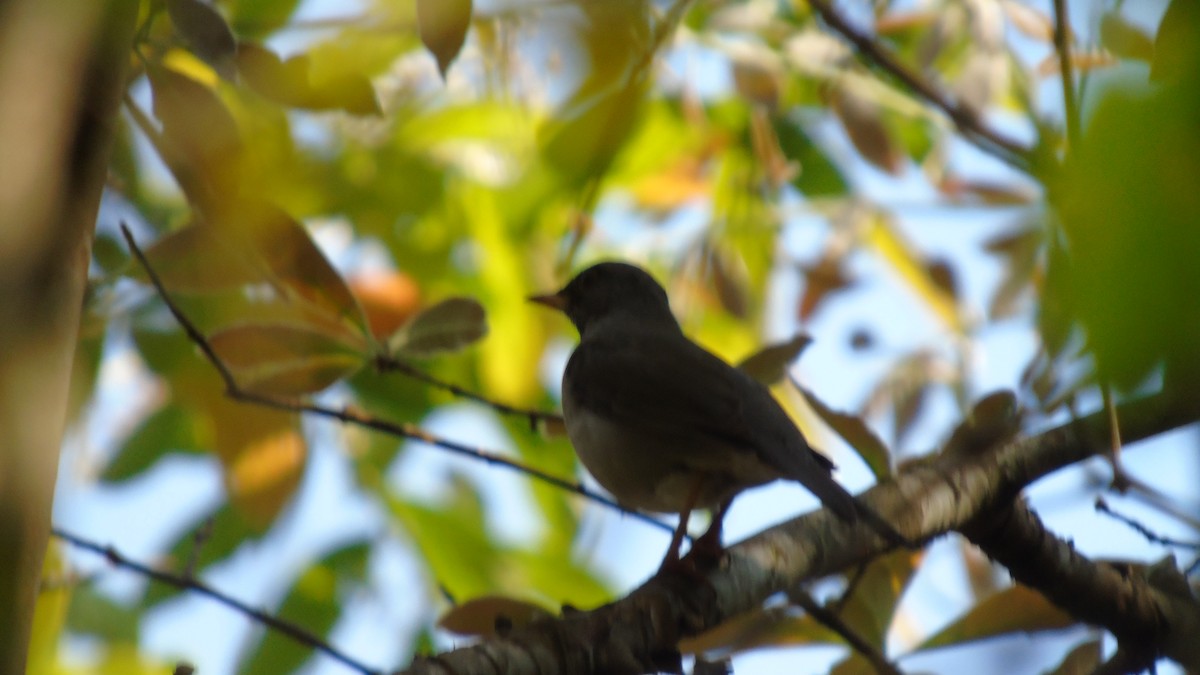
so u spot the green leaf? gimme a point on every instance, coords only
(454, 544)
(855, 432)
(770, 364)
(485, 615)
(205, 32)
(193, 259)
(443, 26)
(259, 17)
(1017, 609)
(290, 83)
(818, 176)
(286, 359)
(172, 428)
(447, 326)
(872, 605)
(201, 141)
(313, 603)
(94, 614)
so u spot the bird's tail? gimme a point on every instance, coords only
(848, 508)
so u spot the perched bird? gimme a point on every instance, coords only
(666, 426)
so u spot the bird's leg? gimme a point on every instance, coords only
(708, 546)
(672, 559)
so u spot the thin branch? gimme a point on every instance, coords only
(1062, 33)
(349, 415)
(965, 119)
(189, 583)
(385, 363)
(1150, 535)
(833, 621)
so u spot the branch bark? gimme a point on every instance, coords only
(61, 74)
(956, 490)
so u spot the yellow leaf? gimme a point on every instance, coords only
(1018, 609)
(265, 474)
(887, 241)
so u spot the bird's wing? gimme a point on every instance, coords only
(665, 386)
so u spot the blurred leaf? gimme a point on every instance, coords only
(443, 27)
(1030, 21)
(864, 124)
(200, 137)
(1019, 251)
(872, 603)
(770, 364)
(49, 612)
(1127, 270)
(1017, 609)
(822, 279)
(905, 261)
(1082, 660)
(1124, 39)
(212, 537)
(1175, 45)
(314, 603)
(205, 32)
(92, 613)
(193, 259)
(291, 83)
(285, 359)
(171, 428)
(856, 433)
(491, 615)
(285, 248)
(264, 475)
(907, 404)
(447, 326)
(818, 175)
(757, 628)
(259, 17)
(389, 300)
(584, 137)
(455, 545)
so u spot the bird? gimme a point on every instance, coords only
(666, 426)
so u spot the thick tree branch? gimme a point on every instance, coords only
(1151, 613)
(930, 498)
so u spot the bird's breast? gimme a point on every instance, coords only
(638, 470)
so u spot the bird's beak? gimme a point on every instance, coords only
(551, 300)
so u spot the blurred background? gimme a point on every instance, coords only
(315, 179)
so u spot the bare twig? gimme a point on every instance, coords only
(1150, 535)
(189, 583)
(963, 118)
(1062, 34)
(352, 416)
(831, 620)
(385, 363)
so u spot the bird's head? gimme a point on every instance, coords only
(608, 290)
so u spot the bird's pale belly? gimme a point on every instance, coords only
(638, 472)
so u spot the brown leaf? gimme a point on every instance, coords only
(855, 432)
(286, 359)
(770, 364)
(1017, 609)
(822, 279)
(205, 32)
(443, 25)
(864, 124)
(447, 326)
